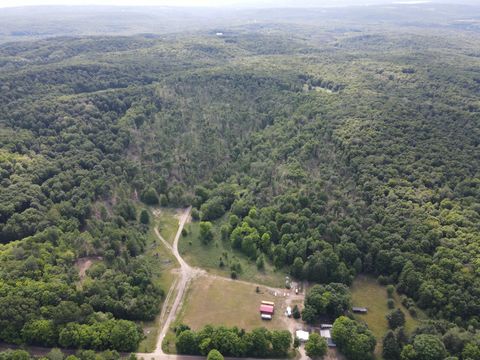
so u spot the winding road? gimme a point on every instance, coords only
(178, 289)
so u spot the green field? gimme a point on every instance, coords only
(167, 223)
(162, 267)
(208, 257)
(367, 292)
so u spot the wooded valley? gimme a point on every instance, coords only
(327, 151)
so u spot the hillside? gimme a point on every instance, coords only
(329, 150)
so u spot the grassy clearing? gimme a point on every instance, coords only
(367, 292)
(167, 223)
(208, 257)
(207, 303)
(161, 266)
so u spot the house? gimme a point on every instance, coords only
(302, 335)
(327, 335)
(359, 310)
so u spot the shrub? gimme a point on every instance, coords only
(391, 303)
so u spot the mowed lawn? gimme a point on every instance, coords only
(217, 301)
(366, 292)
(208, 257)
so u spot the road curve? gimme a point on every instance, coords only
(186, 274)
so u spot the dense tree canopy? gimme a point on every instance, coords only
(259, 343)
(325, 152)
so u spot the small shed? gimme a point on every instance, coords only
(327, 335)
(266, 309)
(302, 335)
(359, 310)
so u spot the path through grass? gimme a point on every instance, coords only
(161, 263)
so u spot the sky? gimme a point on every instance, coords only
(219, 3)
(209, 3)
(215, 3)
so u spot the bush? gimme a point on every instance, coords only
(195, 214)
(233, 274)
(144, 217)
(390, 291)
(206, 233)
(413, 311)
(214, 355)
(396, 319)
(296, 312)
(391, 303)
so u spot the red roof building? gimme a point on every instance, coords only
(266, 309)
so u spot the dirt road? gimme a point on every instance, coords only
(178, 289)
(186, 274)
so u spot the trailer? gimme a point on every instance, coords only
(266, 317)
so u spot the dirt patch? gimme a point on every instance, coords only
(179, 213)
(83, 264)
(157, 212)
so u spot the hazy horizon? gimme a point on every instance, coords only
(220, 3)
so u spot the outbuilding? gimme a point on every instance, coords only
(302, 335)
(327, 335)
(359, 310)
(266, 309)
(266, 317)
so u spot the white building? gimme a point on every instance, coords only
(302, 335)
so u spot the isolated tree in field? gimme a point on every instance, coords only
(206, 233)
(296, 312)
(214, 355)
(396, 319)
(144, 217)
(316, 346)
(390, 291)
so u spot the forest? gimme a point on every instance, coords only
(326, 151)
